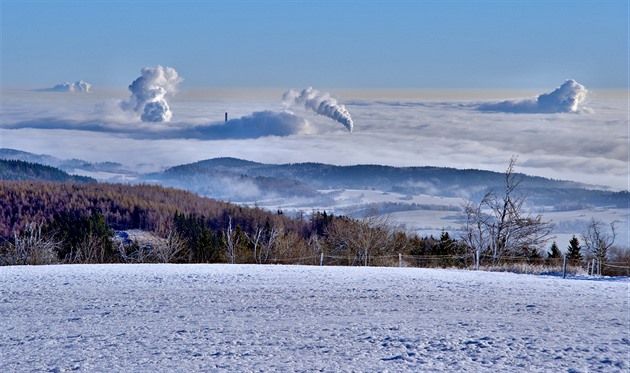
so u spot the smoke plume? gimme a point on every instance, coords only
(319, 102)
(568, 98)
(149, 91)
(78, 86)
(255, 125)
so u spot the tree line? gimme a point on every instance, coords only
(47, 222)
(22, 170)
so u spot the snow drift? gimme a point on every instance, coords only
(568, 98)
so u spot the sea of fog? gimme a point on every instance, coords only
(400, 128)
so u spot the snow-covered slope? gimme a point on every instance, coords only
(293, 318)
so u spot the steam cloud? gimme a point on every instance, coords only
(568, 98)
(78, 86)
(252, 126)
(255, 125)
(149, 91)
(319, 102)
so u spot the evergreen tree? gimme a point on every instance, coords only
(555, 251)
(203, 245)
(445, 246)
(84, 239)
(573, 251)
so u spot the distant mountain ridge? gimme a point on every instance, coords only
(67, 165)
(369, 175)
(209, 177)
(28, 171)
(239, 180)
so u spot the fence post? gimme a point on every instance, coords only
(564, 267)
(593, 268)
(477, 253)
(321, 260)
(399, 260)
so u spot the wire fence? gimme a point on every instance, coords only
(487, 262)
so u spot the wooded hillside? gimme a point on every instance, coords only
(147, 207)
(22, 170)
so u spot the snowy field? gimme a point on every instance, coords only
(147, 318)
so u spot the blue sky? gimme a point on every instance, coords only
(340, 44)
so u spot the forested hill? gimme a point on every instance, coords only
(326, 176)
(67, 165)
(21, 170)
(146, 207)
(218, 177)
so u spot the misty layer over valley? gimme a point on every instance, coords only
(425, 200)
(564, 133)
(159, 133)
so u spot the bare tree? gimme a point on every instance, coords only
(500, 224)
(598, 239)
(87, 251)
(31, 247)
(475, 234)
(132, 252)
(264, 239)
(360, 239)
(314, 244)
(170, 249)
(255, 239)
(268, 242)
(231, 240)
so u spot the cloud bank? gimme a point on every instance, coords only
(568, 98)
(450, 132)
(255, 125)
(319, 102)
(149, 92)
(78, 86)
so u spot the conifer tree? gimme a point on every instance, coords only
(555, 251)
(573, 251)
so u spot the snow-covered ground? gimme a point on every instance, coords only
(147, 318)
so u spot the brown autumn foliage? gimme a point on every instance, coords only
(259, 236)
(147, 207)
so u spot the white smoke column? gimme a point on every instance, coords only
(565, 99)
(321, 103)
(148, 93)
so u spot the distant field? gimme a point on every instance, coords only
(429, 215)
(296, 318)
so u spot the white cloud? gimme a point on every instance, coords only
(568, 98)
(78, 86)
(589, 148)
(251, 126)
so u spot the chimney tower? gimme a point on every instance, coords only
(226, 116)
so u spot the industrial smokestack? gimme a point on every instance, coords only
(226, 116)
